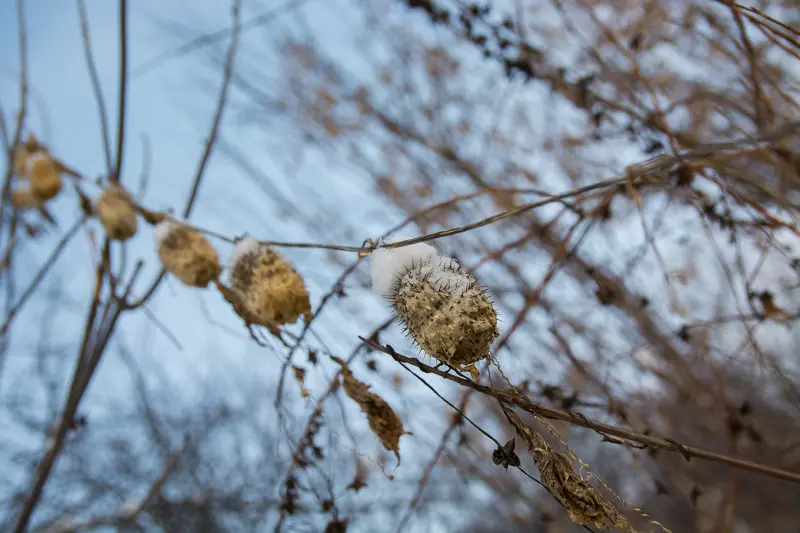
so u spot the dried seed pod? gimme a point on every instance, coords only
(383, 421)
(44, 175)
(440, 303)
(271, 291)
(116, 212)
(187, 254)
(22, 198)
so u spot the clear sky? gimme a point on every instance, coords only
(172, 106)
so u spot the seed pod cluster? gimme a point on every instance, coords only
(383, 421)
(187, 254)
(440, 303)
(115, 210)
(270, 289)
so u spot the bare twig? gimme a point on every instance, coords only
(578, 419)
(94, 76)
(123, 88)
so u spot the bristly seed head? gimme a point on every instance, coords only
(44, 175)
(186, 254)
(116, 212)
(270, 289)
(440, 303)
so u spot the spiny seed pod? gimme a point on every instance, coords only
(22, 198)
(272, 292)
(44, 176)
(440, 303)
(383, 421)
(116, 213)
(186, 254)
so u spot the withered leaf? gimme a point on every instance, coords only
(584, 504)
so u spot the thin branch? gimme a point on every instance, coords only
(211, 38)
(54, 255)
(130, 511)
(94, 76)
(123, 87)
(210, 142)
(578, 419)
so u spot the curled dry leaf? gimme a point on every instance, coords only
(383, 421)
(187, 254)
(582, 502)
(300, 376)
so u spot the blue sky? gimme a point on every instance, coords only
(172, 105)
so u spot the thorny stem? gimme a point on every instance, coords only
(578, 419)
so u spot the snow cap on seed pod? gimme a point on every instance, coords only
(186, 254)
(439, 302)
(271, 291)
(115, 210)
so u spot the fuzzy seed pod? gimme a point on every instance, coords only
(383, 421)
(440, 303)
(116, 213)
(272, 292)
(187, 254)
(22, 198)
(44, 175)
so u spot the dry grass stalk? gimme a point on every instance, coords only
(582, 502)
(270, 291)
(115, 210)
(187, 254)
(383, 421)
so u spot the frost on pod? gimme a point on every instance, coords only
(272, 293)
(44, 175)
(383, 421)
(440, 303)
(115, 211)
(187, 254)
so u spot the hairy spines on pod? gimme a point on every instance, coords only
(187, 254)
(115, 210)
(270, 289)
(440, 303)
